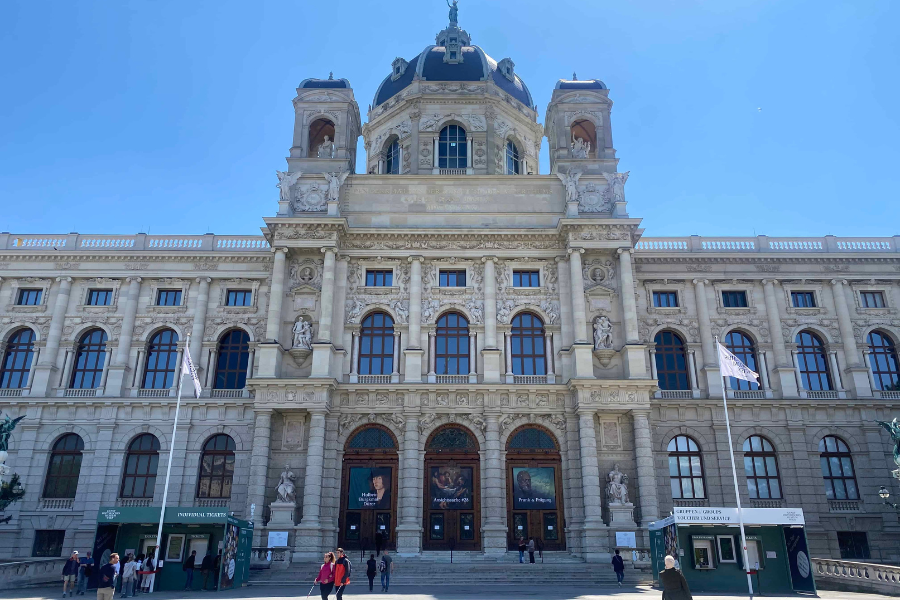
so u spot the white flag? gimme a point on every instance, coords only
(188, 368)
(732, 366)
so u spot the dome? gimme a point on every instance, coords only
(324, 83)
(580, 84)
(476, 65)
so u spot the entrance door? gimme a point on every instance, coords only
(369, 490)
(452, 506)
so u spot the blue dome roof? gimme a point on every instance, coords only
(475, 66)
(324, 83)
(578, 84)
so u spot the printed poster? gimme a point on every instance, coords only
(534, 488)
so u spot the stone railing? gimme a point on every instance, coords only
(844, 506)
(844, 575)
(764, 243)
(75, 242)
(56, 503)
(267, 558)
(31, 572)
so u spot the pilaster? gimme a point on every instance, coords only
(710, 363)
(491, 352)
(46, 369)
(856, 378)
(309, 532)
(594, 537)
(259, 467)
(409, 529)
(494, 489)
(583, 360)
(270, 351)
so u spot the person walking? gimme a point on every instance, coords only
(522, 548)
(206, 569)
(379, 542)
(85, 568)
(325, 578)
(531, 550)
(106, 581)
(673, 583)
(371, 569)
(188, 568)
(342, 568)
(138, 578)
(69, 573)
(386, 568)
(149, 573)
(128, 577)
(619, 567)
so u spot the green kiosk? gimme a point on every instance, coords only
(706, 543)
(133, 530)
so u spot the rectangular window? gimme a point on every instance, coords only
(99, 297)
(803, 299)
(734, 299)
(453, 278)
(853, 544)
(703, 554)
(526, 279)
(726, 549)
(48, 542)
(238, 298)
(872, 299)
(29, 297)
(168, 298)
(379, 278)
(665, 299)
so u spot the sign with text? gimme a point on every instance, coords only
(729, 516)
(278, 539)
(626, 539)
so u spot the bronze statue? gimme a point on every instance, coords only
(6, 428)
(893, 428)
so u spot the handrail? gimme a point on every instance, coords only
(766, 244)
(76, 242)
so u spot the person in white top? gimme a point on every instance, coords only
(128, 576)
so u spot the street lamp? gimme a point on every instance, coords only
(884, 494)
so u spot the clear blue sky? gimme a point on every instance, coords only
(735, 117)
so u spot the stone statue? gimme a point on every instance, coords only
(570, 180)
(6, 429)
(335, 181)
(602, 333)
(616, 189)
(617, 486)
(286, 490)
(454, 11)
(893, 428)
(326, 148)
(302, 331)
(285, 181)
(580, 148)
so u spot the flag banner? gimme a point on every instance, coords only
(732, 366)
(188, 368)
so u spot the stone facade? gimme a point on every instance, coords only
(599, 398)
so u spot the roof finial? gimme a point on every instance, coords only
(454, 12)
(574, 76)
(330, 75)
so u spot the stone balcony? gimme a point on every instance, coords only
(75, 242)
(764, 243)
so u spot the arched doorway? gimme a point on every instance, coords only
(452, 499)
(369, 489)
(534, 488)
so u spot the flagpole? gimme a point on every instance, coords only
(162, 510)
(737, 493)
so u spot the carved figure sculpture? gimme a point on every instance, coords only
(6, 429)
(570, 180)
(504, 310)
(286, 491)
(454, 11)
(401, 309)
(335, 181)
(602, 333)
(616, 189)
(476, 309)
(285, 181)
(580, 148)
(302, 331)
(617, 486)
(326, 148)
(893, 429)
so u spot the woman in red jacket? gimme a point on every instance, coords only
(326, 576)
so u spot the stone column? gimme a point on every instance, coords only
(583, 363)
(473, 357)
(548, 350)
(838, 382)
(395, 372)
(784, 372)
(259, 467)
(653, 374)
(354, 357)
(105, 373)
(491, 352)
(432, 358)
(270, 350)
(566, 324)
(646, 474)
(43, 378)
(323, 348)
(198, 327)
(710, 363)
(857, 381)
(507, 351)
(118, 370)
(692, 372)
(634, 357)
(764, 371)
(409, 529)
(414, 352)
(310, 525)
(494, 488)
(94, 474)
(594, 540)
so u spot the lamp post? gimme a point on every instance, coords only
(885, 494)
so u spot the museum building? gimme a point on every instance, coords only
(450, 350)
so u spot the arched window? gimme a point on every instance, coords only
(883, 362)
(89, 359)
(376, 345)
(686, 468)
(392, 158)
(528, 355)
(812, 362)
(837, 469)
(452, 439)
(319, 146)
(452, 148)
(372, 438)
(742, 347)
(584, 131)
(531, 438)
(139, 478)
(232, 360)
(65, 465)
(761, 468)
(513, 164)
(216, 467)
(17, 361)
(671, 362)
(452, 345)
(162, 360)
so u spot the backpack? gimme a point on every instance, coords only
(382, 566)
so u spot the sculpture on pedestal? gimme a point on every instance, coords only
(454, 11)
(580, 148)
(615, 192)
(617, 486)
(326, 149)
(302, 331)
(285, 181)
(602, 333)
(570, 180)
(286, 490)
(335, 181)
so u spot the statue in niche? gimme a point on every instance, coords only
(326, 149)
(302, 331)
(286, 491)
(616, 188)
(570, 180)
(285, 181)
(335, 181)
(602, 333)
(580, 148)
(617, 486)
(454, 11)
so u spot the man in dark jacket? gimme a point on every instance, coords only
(342, 570)
(106, 580)
(206, 568)
(619, 567)
(188, 567)
(87, 565)
(70, 572)
(673, 583)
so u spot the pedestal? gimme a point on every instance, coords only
(281, 514)
(604, 356)
(621, 516)
(299, 354)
